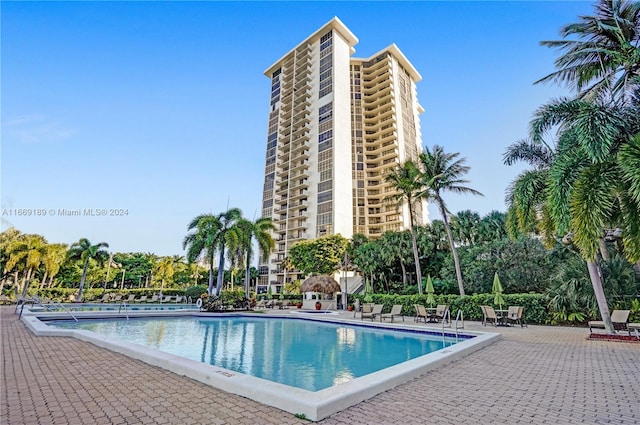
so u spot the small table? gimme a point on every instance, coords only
(502, 318)
(431, 314)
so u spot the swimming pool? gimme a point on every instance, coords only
(314, 405)
(300, 353)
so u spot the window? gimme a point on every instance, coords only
(325, 196)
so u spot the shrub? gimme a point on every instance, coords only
(195, 291)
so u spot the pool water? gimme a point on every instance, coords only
(116, 307)
(302, 353)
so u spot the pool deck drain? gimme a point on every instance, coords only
(533, 375)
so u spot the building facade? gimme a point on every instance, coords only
(337, 125)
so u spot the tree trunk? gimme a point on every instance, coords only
(416, 256)
(603, 249)
(454, 252)
(404, 274)
(596, 281)
(44, 278)
(247, 278)
(84, 275)
(210, 290)
(220, 272)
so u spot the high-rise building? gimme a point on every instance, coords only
(336, 125)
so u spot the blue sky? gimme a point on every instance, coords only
(160, 108)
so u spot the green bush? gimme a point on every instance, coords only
(195, 291)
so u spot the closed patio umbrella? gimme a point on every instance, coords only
(430, 291)
(496, 290)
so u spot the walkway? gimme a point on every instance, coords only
(535, 375)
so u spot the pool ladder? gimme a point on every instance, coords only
(48, 306)
(123, 305)
(459, 323)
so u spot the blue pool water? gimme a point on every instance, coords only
(302, 353)
(118, 307)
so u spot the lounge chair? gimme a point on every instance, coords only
(489, 314)
(396, 311)
(105, 298)
(142, 299)
(180, 299)
(166, 299)
(619, 319)
(635, 329)
(356, 307)
(153, 299)
(375, 311)
(441, 312)
(130, 298)
(117, 298)
(421, 313)
(515, 315)
(261, 304)
(366, 308)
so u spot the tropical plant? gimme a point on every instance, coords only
(84, 251)
(442, 172)
(244, 234)
(26, 253)
(600, 54)
(318, 256)
(55, 255)
(406, 179)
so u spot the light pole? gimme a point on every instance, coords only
(345, 264)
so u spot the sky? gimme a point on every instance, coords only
(144, 115)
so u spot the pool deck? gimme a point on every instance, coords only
(534, 375)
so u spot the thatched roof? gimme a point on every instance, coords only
(324, 284)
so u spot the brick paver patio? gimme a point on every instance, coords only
(535, 375)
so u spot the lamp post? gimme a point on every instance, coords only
(345, 264)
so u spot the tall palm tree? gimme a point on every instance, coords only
(203, 241)
(210, 234)
(593, 182)
(246, 232)
(83, 250)
(442, 172)
(406, 180)
(600, 54)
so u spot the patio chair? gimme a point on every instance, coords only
(489, 314)
(441, 312)
(180, 299)
(142, 299)
(421, 313)
(153, 299)
(515, 315)
(365, 309)
(166, 299)
(130, 298)
(261, 304)
(375, 311)
(356, 307)
(396, 311)
(619, 319)
(105, 298)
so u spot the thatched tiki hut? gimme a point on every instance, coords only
(319, 289)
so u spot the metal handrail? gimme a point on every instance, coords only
(123, 304)
(37, 301)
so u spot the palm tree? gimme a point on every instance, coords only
(26, 251)
(203, 241)
(600, 54)
(442, 172)
(165, 269)
(406, 180)
(211, 234)
(593, 180)
(85, 251)
(53, 258)
(247, 231)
